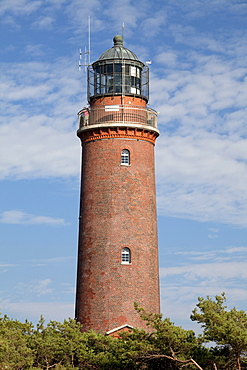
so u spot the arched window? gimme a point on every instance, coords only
(126, 256)
(125, 157)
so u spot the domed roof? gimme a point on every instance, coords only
(118, 51)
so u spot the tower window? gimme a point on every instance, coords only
(125, 157)
(126, 256)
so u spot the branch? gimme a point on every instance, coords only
(184, 362)
(50, 366)
(196, 364)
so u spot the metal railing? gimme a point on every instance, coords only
(119, 114)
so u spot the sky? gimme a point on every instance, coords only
(198, 84)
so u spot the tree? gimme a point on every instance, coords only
(228, 329)
(172, 346)
(15, 353)
(56, 344)
(62, 346)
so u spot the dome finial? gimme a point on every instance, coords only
(118, 40)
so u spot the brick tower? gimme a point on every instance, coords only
(118, 251)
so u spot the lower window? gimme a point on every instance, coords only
(126, 257)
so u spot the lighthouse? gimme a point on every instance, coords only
(118, 247)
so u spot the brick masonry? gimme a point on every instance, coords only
(110, 100)
(117, 210)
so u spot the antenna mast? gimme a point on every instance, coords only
(86, 53)
(123, 31)
(89, 47)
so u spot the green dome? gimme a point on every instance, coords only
(118, 51)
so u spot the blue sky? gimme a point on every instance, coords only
(198, 85)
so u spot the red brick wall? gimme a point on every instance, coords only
(110, 100)
(118, 209)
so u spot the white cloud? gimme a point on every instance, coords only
(79, 18)
(201, 97)
(223, 270)
(45, 261)
(207, 92)
(19, 7)
(22, 218)
(187, 35)
(35, 50)
(38, 288)
(40, 103)
(201, 176)
(38, 150)
(32, 311)
(125, 11)
(232, 254)
(199, 9)
(154, 22)
(212, 236)
(178, 300)
(201, 157)
(183, 283)
(167, 58)
(236, 250)
(209, 272)
(7, 265)
(45, 22)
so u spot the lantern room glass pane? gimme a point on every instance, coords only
(118, 78)
(118, 68)
(109, 69)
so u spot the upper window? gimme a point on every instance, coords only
(125, 157)
(126, 256)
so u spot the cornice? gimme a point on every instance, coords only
(101, 133)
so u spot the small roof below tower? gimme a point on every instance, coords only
(118, 51)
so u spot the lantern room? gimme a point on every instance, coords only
(118, 72)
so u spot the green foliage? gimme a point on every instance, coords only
(228, 329)
(55, 344)
(15, 353)
(172, 346)
(62, 346)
